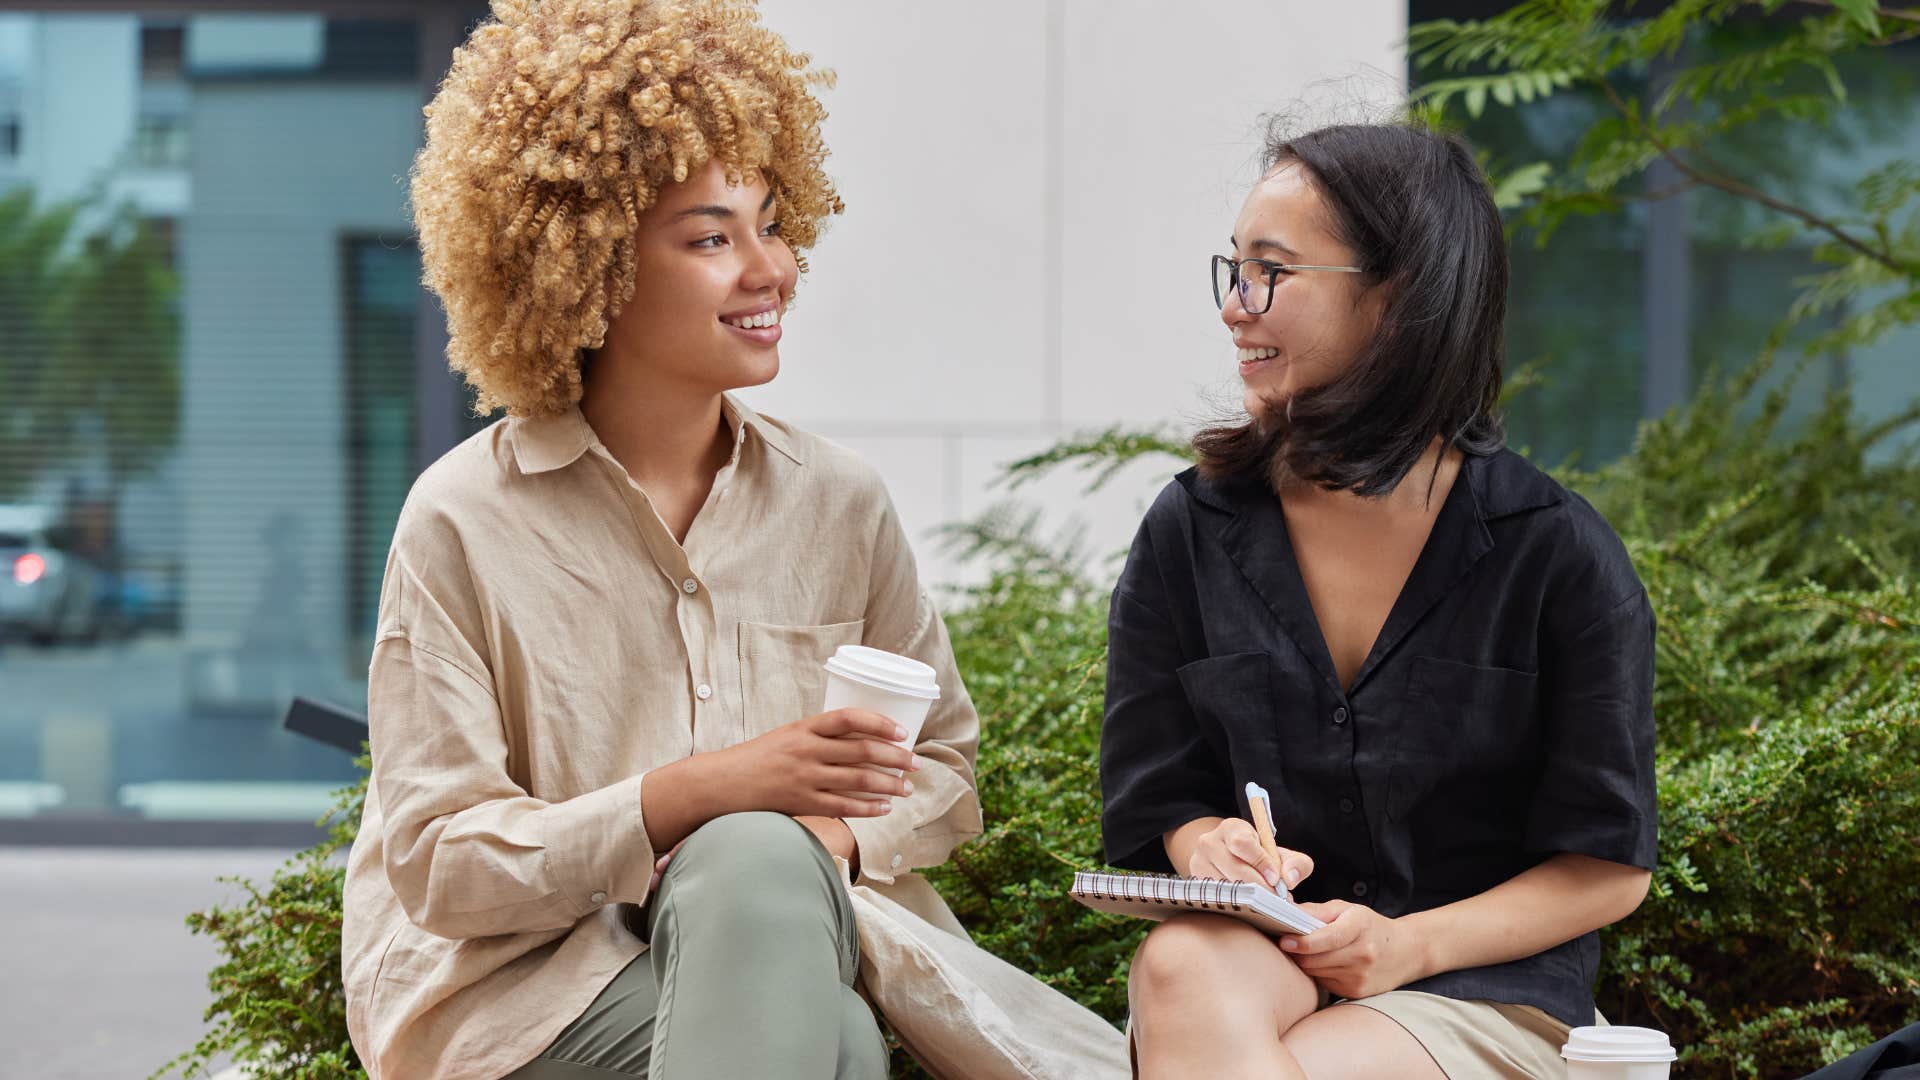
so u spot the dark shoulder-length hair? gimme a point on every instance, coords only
(1419, 216)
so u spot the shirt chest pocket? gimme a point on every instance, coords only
(783, 675)
(1233, 703)
(1460, 724)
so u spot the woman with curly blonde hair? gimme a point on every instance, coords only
(604, 833)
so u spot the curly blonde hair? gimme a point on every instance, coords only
(557, 126)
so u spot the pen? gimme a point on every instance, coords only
(1260, 808)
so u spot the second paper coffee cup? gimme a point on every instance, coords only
(1617, 1053)
(899, 688)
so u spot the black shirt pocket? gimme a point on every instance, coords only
(1232, 698)
(1462, 724)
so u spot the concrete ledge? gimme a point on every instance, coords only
(54, 830)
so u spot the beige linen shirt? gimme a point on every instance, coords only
(543, 642)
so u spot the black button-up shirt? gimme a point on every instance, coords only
(1504, 713)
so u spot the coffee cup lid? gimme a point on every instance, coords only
(1617, 1044)
(885, 670)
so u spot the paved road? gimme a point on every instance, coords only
(99, 978)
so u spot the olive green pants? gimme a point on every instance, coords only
(750, 974)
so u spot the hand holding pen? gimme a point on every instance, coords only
(1290, 866)
(1232, 848)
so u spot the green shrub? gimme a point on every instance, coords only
(1779, 933)
(279, 1008)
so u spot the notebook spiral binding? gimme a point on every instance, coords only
(1213, 894)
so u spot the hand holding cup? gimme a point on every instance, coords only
(898, 687)
(830, 765)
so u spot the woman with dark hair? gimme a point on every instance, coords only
(1437, 660)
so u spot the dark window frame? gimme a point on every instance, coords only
(357, 437)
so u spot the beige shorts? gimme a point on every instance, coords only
(1468, 1039)
(1472, 1039)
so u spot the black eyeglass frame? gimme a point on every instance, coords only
(1239, 283)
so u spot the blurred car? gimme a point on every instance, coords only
(46, 593)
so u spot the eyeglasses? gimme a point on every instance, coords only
(1256, 289)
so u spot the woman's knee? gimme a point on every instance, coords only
(1198, 957)
(757, 844)
(749, 861)
(1180, 957)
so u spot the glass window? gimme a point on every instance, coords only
(11, 108)
(1576, 307)
(162, 50)
(209, 422)
(1593, 308)
(160, 141)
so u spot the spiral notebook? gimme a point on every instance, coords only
(1158, 896)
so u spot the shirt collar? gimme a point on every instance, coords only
(545, 443)
(745, 419)
(1501, 483)
(1255, 538)
(1505, 483)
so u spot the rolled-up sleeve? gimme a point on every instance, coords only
(468, 852)
(1156, 771)
(1596, 789)
(944, 809)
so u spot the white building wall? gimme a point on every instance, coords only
(1033, 189)
(82, 102)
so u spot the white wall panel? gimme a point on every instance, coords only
(1033, 189)
(924, 305)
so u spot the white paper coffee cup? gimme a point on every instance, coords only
(1617, 1053)
(899, 688)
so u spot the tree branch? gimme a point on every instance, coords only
(1885, 13)
(1657, 194)
(1741, 189)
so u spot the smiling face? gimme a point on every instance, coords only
(1319, 321)
(712, 277)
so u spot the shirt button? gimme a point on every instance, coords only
(691, 586)
(897, 860)
(598, 898)
(1359, 888)
(703, 691)
(1346, 806)
(1340, 715)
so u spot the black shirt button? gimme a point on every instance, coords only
(1346, 806)
(1359, 888)
(1340, 715)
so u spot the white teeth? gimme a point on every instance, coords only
(755, 322)
(1257, 354)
